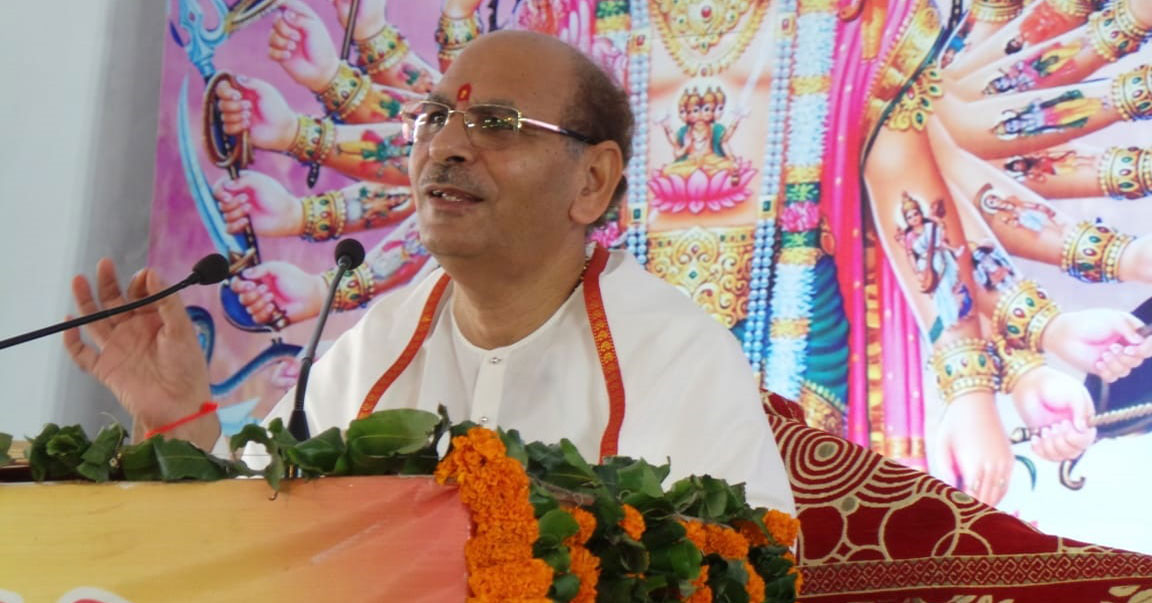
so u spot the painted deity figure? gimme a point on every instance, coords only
(924, 240)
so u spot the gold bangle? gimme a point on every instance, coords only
(1125, 173)
(1113, 35)
(346, 92)
(1132, 93)
(315, 138)
(1077, 9)
(1127, 23)
(1022, 313)
(996, 11)
(1014, 362)
(381, 51)
(452, 35)
(325, 216)
(355, 289)
(1092, 253)
(965, 366)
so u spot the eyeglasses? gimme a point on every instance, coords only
(487, 126)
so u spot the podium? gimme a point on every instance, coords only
(330, 539)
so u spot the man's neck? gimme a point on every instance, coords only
(497, 306)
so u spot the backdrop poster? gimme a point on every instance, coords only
(851, 188)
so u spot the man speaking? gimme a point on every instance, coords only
(518, 150)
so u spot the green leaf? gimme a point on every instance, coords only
(564, 587)
(252, 433)
(640, 477)
(662, 533)
(181, 460)
(97, 460)
(390, 432)
(45, 465)
(5, 446)
(139, 461)
(555, 526)
(727, 580)
(681, 559)
(318, 455)
(557, 557)
(514, 445)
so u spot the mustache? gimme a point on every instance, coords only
(440, 174)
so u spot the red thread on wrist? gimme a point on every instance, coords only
(205, 409)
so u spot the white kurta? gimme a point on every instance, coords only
(691, 396)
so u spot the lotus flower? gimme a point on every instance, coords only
(700, 190)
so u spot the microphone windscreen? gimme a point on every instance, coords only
(353, 250)
(211, 269)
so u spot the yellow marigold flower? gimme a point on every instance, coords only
(755, 585)
(725, 542)
(783, 527)
(633, 523)
(585, 566)
(587, 523)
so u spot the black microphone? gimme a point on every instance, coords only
(209, 270)
(349, 254)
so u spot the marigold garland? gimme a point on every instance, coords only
(583, 564)
(495, 490)
(499, 555)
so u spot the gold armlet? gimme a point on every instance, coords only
(1114, 31)
(965, 366)
(381, 51)
(355, 289)
(1022, 313)
(324, 216)
(1132, 93)
(315, 138)
(453, 34)
(996, 11)
(1125, 172)
(1014, 362)
(346, 92)
(1092, 253)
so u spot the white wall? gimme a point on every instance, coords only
(77, 137)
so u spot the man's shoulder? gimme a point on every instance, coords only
(400, 305)
(649, 305)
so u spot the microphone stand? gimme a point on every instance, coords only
(298, 422)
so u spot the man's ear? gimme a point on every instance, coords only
(601, 168)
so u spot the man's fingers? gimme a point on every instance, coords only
(171, 308)
(85, 304)
(82, 354)
(108, 290)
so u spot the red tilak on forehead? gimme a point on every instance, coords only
(464, 93)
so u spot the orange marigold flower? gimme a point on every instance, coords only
(725, 542)
(696, 534)
(587, 523)
(755, 585)
(703, 592)
(511, 581)
(783, 527)
(751, 532)
(633, 523)
(585, 566)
